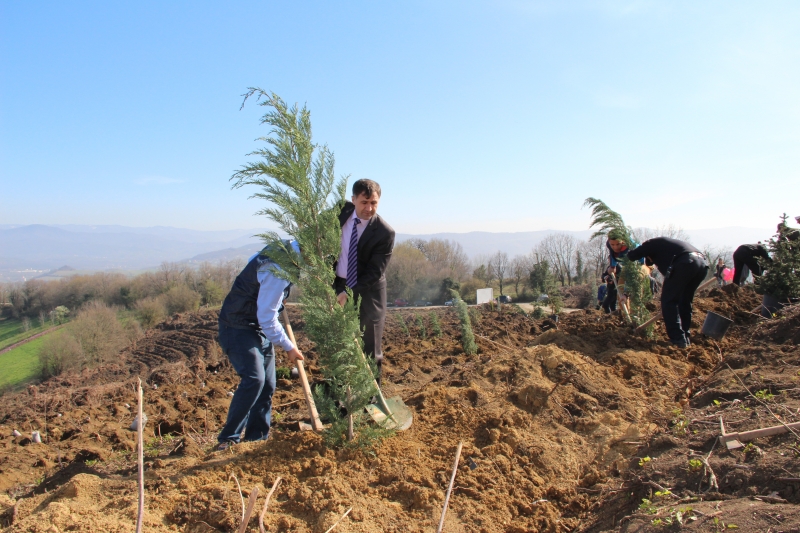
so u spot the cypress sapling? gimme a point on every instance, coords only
(467, 337)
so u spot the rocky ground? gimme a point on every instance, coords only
(575, 426)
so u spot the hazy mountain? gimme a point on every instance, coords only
(109, 247)
(40, 248)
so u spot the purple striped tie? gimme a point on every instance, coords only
(352, 256)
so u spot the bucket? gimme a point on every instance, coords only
(770, 305)
(715, 326)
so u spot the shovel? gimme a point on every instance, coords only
(316, 423)
(391, 413)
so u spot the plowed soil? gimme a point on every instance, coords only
(568, 426)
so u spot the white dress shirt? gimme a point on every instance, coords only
(347, 232)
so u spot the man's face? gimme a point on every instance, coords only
(366, 207)
(616, 245)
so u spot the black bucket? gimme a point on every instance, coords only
(770, 305)
(715, 326)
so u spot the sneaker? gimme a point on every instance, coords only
(224, 445)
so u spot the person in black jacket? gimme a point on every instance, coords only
(684, 268)
(745, 260)
(367, 243)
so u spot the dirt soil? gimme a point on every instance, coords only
(578, 425)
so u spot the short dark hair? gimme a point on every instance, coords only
(368, 187)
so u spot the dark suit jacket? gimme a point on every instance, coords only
(374, 251)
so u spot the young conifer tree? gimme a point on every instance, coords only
(637, 286)
(782, 276)
(304, 198)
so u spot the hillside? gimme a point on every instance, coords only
(566, 428)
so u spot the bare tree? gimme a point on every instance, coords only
(595, 255)
(670, 230)
(559, 250)
(499, 265)
(520, 270)
(447, 257)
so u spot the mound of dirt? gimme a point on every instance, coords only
(555, 418)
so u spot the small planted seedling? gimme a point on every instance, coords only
(402, 323)
(764, 395)
(695, 465)
(647, 506)
(423, 332)
(644, 460)
(436, 327)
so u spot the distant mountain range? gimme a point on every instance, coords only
(33, 250)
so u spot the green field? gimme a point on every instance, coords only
(21, 364)
(11, 331)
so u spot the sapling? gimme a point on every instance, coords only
(423, 332)
(304, 199)
(637, 284)
(403, 326)
(467, 337)
(436, 327)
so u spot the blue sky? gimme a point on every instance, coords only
(495, 116)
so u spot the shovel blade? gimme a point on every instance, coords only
(399, 416)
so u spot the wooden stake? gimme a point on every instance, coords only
(450, 488)
(266, 503)
(316, 423)
(140, 446)
(251, 503)
(350, 434)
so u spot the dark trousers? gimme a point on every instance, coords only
(610, 301)
(677, 294)
(372, 316)
(743, 264)
(253, 358)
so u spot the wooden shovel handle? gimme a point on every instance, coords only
(316, 423)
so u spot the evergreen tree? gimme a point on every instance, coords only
(610, 223)
(782, 276)
(304, 198)
(467, 336)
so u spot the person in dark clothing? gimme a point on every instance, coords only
(610, 301)
(719, 272)
(601, 294)
(745, 260)
(684, 268)
(367, 243)
(249, 329)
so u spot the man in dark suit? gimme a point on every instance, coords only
(367, 242)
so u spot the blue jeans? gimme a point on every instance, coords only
(253, 358)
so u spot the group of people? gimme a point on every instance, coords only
(683, 268)
(249, 325)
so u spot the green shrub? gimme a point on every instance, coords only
(59, 352)
(180, 299)
(150, 311)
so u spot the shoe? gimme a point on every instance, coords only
(681, 344)
(222, 446)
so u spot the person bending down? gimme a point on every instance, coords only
(684, 268)
(249, 329)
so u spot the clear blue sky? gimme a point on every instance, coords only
(497, 115)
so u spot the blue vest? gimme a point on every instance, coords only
(239, 310)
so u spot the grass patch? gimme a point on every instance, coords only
(21, 364)
(12, 332)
